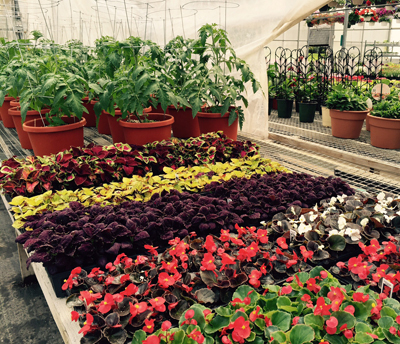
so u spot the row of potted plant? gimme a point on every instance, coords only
(129, 77)
(94, 165)
(77, 234)
(312, 308)
(138, 188)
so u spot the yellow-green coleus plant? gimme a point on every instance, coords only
(192, 179)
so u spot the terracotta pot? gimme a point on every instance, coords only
(52, 140)
(347, 124)
(15, 103)
(385, 132)
(142, 133)
(102, 127)
(367, 125)
(213, 122)
(185, 125)
(158, 109)
(6, 118)
(91, 116)
(23, 136)
(326, 118)
(117, 133)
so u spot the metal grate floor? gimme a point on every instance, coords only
(316, 133)
(306, 161)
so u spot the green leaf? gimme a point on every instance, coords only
(281, 320)
(393, 303)
(96, 88)
(387, 311)
(283, 301)
(225, 311)
(390, 337)
(140, 82)
(317, 320)
(361, 311)
(75, 103)
(385, 322)
(260, 323)
(208, 340)
(363, 338)
(50, 82)
(140, 337)
(337, 242)
(280, 337)
(179, 337)
(244, 291)
(344, 318)
(232, 117)
(216, 324)
(198, 315)
(335, 339)
(300, 334)
(362, 327)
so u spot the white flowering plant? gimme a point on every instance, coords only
(337, 222)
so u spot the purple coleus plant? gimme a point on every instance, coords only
(77, 235)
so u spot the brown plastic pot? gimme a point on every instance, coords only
(103, 127)
(6, 118)
(15, 103)
(347, 124)
(142, 133)
(91, 116)
(117, 133)
(185, 125)
(367, 126)
(158, 109)
(52, 140)
(213, 122)
(15, 113)
(385, 132)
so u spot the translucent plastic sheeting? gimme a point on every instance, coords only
(251, 25)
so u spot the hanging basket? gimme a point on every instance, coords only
(333, 4)
(358, 2)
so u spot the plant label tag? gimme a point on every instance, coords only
(176, 177)
(380, 91)
(228, 200)
(385, 282)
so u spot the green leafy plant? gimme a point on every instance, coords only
(345, 99)
(313, 308)
(386, 109)
(180, 76)
(220, 90)
(284, 89)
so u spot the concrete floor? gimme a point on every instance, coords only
(24, 314)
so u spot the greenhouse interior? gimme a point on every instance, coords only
(206, 171)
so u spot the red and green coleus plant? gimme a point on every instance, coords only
(95, 165)
(66, 238)
(337, 222)
(192, 270)
(313, 308)
(377, 262)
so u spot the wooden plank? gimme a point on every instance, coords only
(61, 313)
(336, 153)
